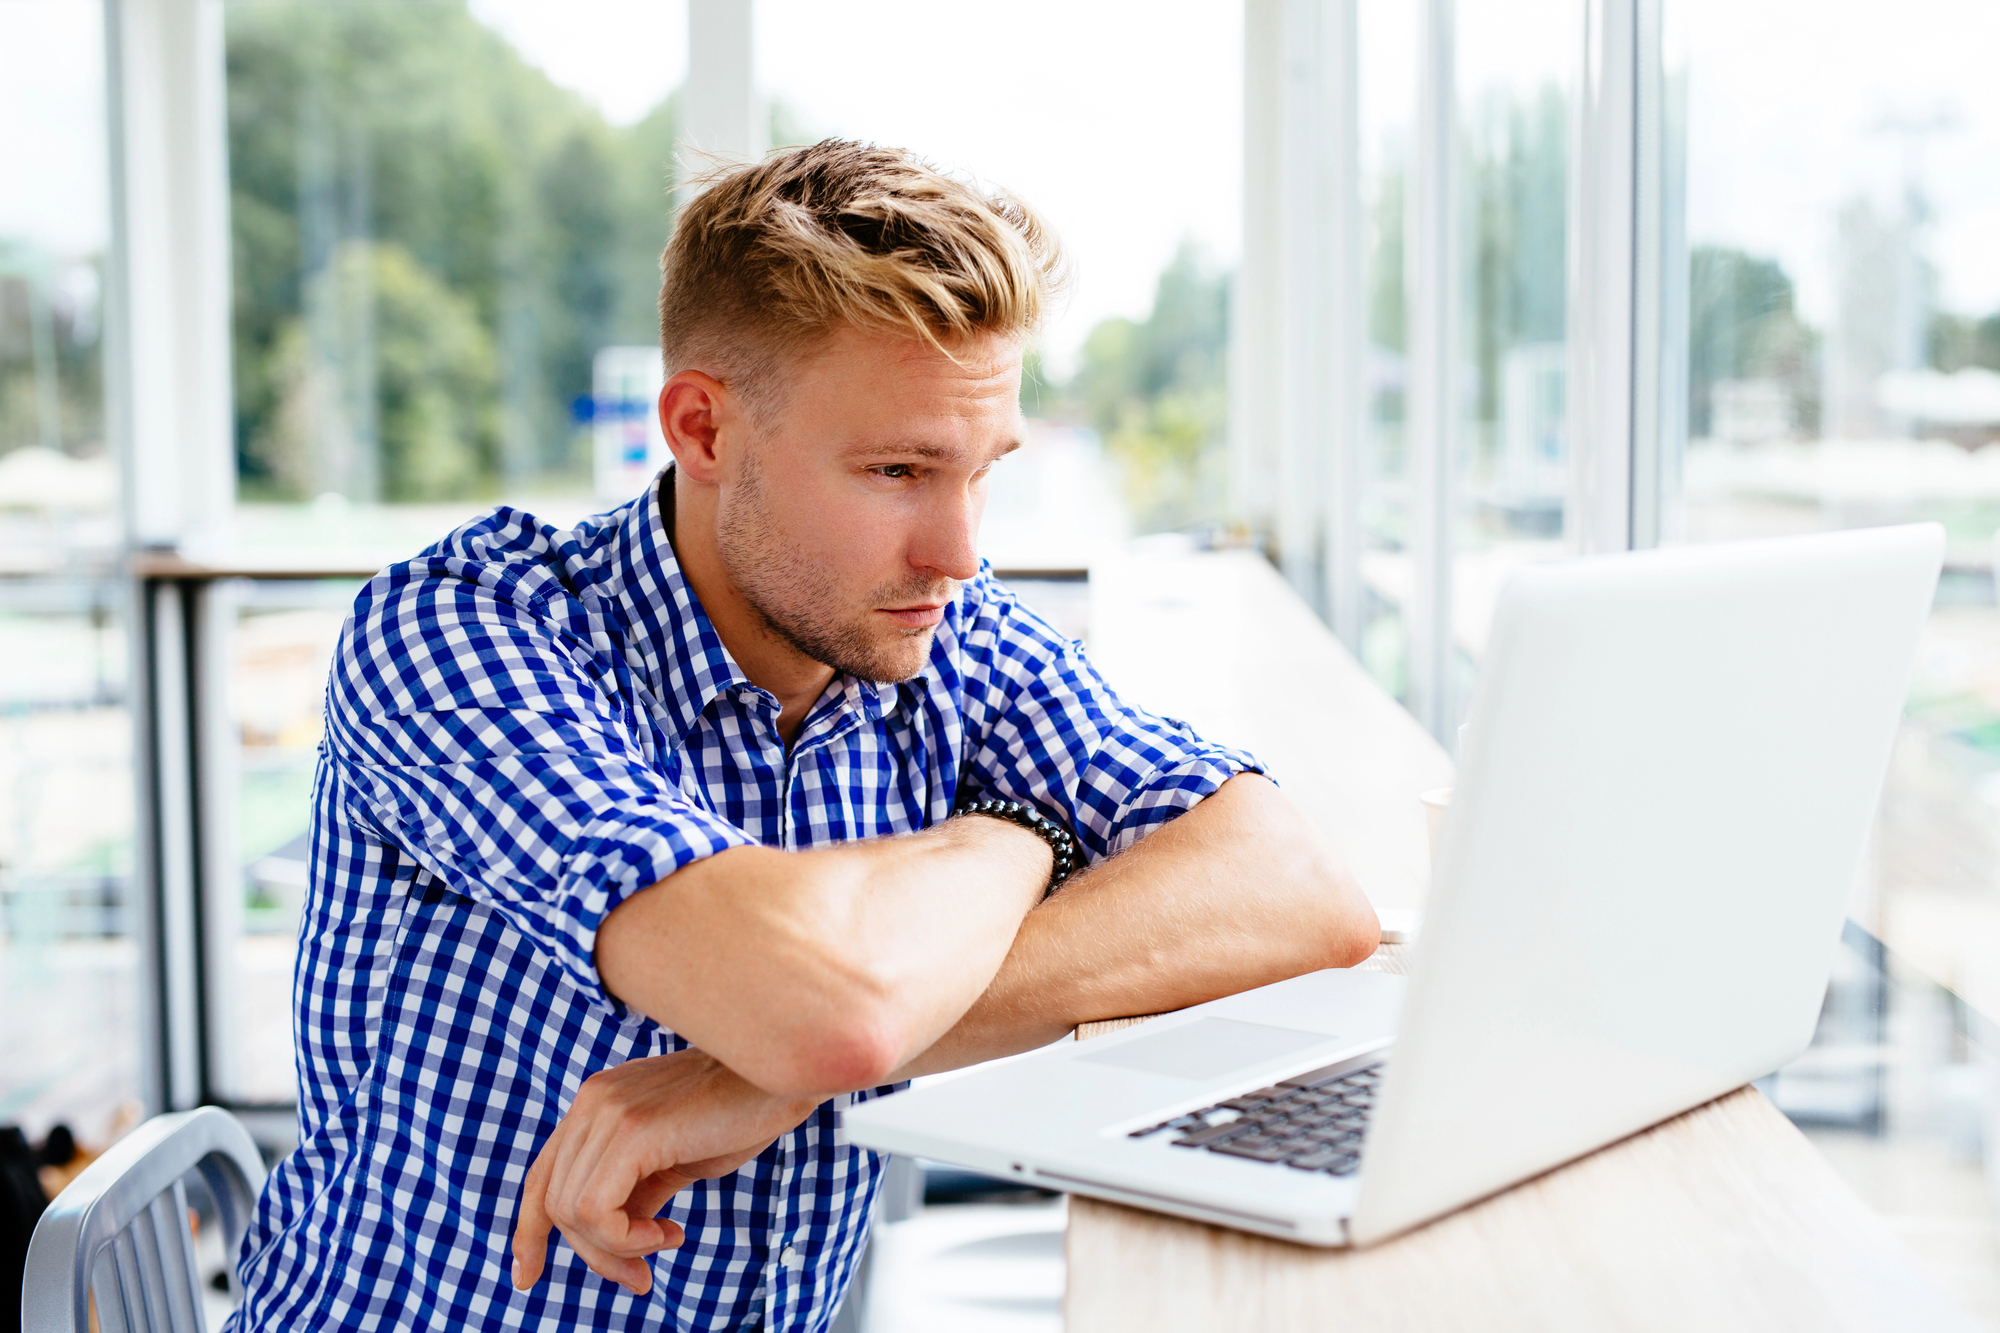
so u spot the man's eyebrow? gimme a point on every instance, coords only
(921, 449)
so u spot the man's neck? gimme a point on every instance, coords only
(767, 659)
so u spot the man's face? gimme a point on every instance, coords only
(849, 521)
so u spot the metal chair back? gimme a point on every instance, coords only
(121, 1229)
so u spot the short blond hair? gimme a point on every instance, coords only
(769, 260)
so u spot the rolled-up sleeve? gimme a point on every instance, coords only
(1050, 732)
(477, 734)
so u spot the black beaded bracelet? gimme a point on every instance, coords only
(1068, 856)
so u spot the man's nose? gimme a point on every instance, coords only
(949, 541)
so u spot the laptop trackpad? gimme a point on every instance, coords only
(1207, 1048)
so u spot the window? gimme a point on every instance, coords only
(1844, 367)
(1387, 102)
(1125, 136)
(70, 980)
(1510, 463)
(445, 226)
(433, 241)
(1464, 126)
(1843, 370)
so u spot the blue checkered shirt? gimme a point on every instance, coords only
(524, 727)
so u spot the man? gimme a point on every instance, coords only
(635, 858)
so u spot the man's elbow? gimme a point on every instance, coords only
(1351, 931)
(1354, 934)
(858, 1047)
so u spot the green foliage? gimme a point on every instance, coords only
(437, 381)
(511, 233)
(432, 402)
(1517, 167)
(51, 360)
(1957, 342)
(1743, 324)
(1388, 315)
(1156, 392)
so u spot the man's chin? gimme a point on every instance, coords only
(893, 662)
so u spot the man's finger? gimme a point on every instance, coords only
(655, 1191)
(531, 1219)
(633, 1274)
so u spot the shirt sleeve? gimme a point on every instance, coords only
(485, 740)
(1046, 730)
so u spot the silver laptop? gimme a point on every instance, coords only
(1670, 769)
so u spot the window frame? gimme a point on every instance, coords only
(1296, 468)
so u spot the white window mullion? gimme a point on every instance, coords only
(1626, 309)
(167, 335)
(1603, 211)
(1432, 282)
(722, 115)
(1662, 285)
(1255, 340)
(171, 423)
(1297, 350)
(1343, 319)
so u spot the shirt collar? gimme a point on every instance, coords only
(668, 635)
(677, 649)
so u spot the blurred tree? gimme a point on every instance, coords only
(1388, 343)
(1517, 166)
(1387, 312)
(436, 387)
(434, 412)
(1743, 324)
(481, 184)
(646, 184)
(1959, 341)
(51, 363)
(1155, 391)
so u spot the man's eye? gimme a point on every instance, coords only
(896, 470)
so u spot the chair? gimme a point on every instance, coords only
(131, 1206)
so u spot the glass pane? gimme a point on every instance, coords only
(1386, 34)
(1517, 69)
(1125, 134)
(434, 241)
(280, 648)
(1844, 371)
(67, 954)
(446, 223)
(68, 966)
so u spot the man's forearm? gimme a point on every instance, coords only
(1238, 892)
(820, 972)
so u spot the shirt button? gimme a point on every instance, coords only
(790, 1258)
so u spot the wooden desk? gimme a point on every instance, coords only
(1723, 1218)
(1221, 642)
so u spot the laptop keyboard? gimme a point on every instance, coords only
(1314, 1122)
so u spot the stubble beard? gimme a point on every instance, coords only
(801, 603)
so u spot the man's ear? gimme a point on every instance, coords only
(695, 410)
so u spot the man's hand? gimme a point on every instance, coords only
(636, 1135)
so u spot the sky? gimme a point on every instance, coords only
(1120, 123)
(1785, 100)
(52, 178)
(573, 43)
